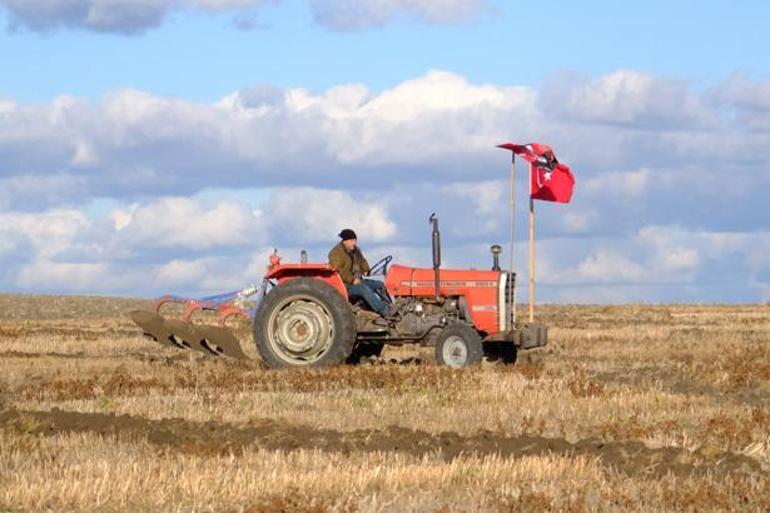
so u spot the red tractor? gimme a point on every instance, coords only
(302, 315)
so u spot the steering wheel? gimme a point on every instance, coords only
(381, 267)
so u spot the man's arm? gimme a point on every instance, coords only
(364, 264)
(334, 260)
(337, 262)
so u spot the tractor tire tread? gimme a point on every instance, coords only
(338, 307)
(471, 338)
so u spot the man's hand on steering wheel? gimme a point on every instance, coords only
(381, 267)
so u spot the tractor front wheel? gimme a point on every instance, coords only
(304, 322)
(459, 345)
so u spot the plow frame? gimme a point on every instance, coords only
(226, 305)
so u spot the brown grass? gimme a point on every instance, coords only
(652, 408)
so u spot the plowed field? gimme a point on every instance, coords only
(651, 408)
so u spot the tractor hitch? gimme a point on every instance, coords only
(523, 336)
(532, 335)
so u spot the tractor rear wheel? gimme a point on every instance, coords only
(304, 322)
(459, 345)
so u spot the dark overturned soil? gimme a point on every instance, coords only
(632, 458)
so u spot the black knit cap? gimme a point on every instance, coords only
(348, 234)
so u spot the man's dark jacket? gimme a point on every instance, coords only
(350, 265)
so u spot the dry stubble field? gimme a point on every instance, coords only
(652, 408)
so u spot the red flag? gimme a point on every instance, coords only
(550, 180)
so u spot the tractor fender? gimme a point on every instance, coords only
(286, 272)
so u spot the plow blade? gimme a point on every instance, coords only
(221, 341)
(154, 326)
(212, 340)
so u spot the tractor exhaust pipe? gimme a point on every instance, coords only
(496, 250)
(436, 238)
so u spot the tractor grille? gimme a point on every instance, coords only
(509, 296)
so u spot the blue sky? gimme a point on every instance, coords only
(163, 145)
(202, 56)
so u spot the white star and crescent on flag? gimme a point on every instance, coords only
(550, 180)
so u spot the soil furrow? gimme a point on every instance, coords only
(629, 457)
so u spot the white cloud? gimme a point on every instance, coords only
(674, 254)
(579, 221)
(48, 233)
(628, 97)
(670, 201)
(314, 215)
(46, 275)
(749, 98)
(121, 16)
(137, 16)
(418, 121)
(157, 245)
(187, 222)
(662, 256)
(488, 198)
(608, 266)
(362, 14)
(744, 93)
(438, 126)
(486, 195)
(435, 126)
(33, 190)
(182, 273)
(654, 255)
(159, 145)
(623, 185)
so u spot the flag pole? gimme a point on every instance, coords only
(511, 284)
(531, 252)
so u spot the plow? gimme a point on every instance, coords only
(182, 333)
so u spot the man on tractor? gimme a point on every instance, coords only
(348, 260)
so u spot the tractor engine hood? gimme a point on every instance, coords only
(483, 291)
(418, 281)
